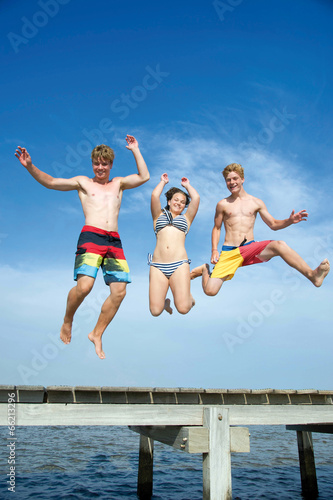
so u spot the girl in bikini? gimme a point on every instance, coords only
(169, 265)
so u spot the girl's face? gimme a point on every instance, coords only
(177, 203)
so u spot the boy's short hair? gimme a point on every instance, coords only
(169, 194)
(104, 152)
(233, 167)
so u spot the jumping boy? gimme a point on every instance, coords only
(99, 244)
(238, 212)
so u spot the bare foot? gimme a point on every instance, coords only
(193, 302)
(98, 345)
(321, 272)
(167, 306)
(66, 333)
(197, 271)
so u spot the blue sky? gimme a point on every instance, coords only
(200, 86)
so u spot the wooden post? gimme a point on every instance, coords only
(307, 464)
(217, 463)
(145, 471)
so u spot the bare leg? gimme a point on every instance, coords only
(211, 286)
(108, 311)
(180, 284)
(75, 298)
(158, 289)
(281, 249)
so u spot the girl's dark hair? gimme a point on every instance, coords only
(169, 194)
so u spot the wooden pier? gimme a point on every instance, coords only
(206, 421)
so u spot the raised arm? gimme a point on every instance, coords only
(216, 232)
(276, 224)
(135, 180)
(43, 178)
(195, 200)
(155, 203)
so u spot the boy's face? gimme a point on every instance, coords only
(101, 168)
(234, 182)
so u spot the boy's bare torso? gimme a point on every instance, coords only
(239, 216)
(101, 202)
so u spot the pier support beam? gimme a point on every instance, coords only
(217, 463)
(145, 472)
(307, 465)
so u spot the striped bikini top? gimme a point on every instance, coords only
(166, 219)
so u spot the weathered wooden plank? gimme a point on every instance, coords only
(322, 428)
(184, 438)
(234, 398)
(256, 399)
(300, 399)
(139, 397)
(167, 398)
(103, 414)
(210, 398)
(30, 394)
(188, 398)
(278, 399)
(217, 463)
(97, 414)
(87, 395)
(145, 470)
(262, 391)
(192, 439)
(239, 391)
(114, 395)
(239, 440)
(162, 395)
(321, 399)
(5, 390)
(62, 394)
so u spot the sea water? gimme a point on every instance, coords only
(102, 462)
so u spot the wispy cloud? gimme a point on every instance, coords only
(69, 209)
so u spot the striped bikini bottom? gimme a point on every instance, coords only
(167, 269)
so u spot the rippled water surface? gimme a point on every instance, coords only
(102, 462)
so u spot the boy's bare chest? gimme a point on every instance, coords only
(109, 194)
(240, 210)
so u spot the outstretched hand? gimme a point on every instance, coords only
(24, 157)
(132, 142)
(298, 217)
(165, 178)
(185, 182)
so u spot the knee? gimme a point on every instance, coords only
(278, 246)
(119, 294)
(83, 289)
(183, 308)
(155, 311)
(211, 289)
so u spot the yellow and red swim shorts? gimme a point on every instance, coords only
(99, 248)
(231, 258)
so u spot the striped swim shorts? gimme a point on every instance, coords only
(99, 248)
(231, 258)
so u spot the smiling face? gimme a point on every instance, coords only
(234, 182)
(101, 168)
(177, 203)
